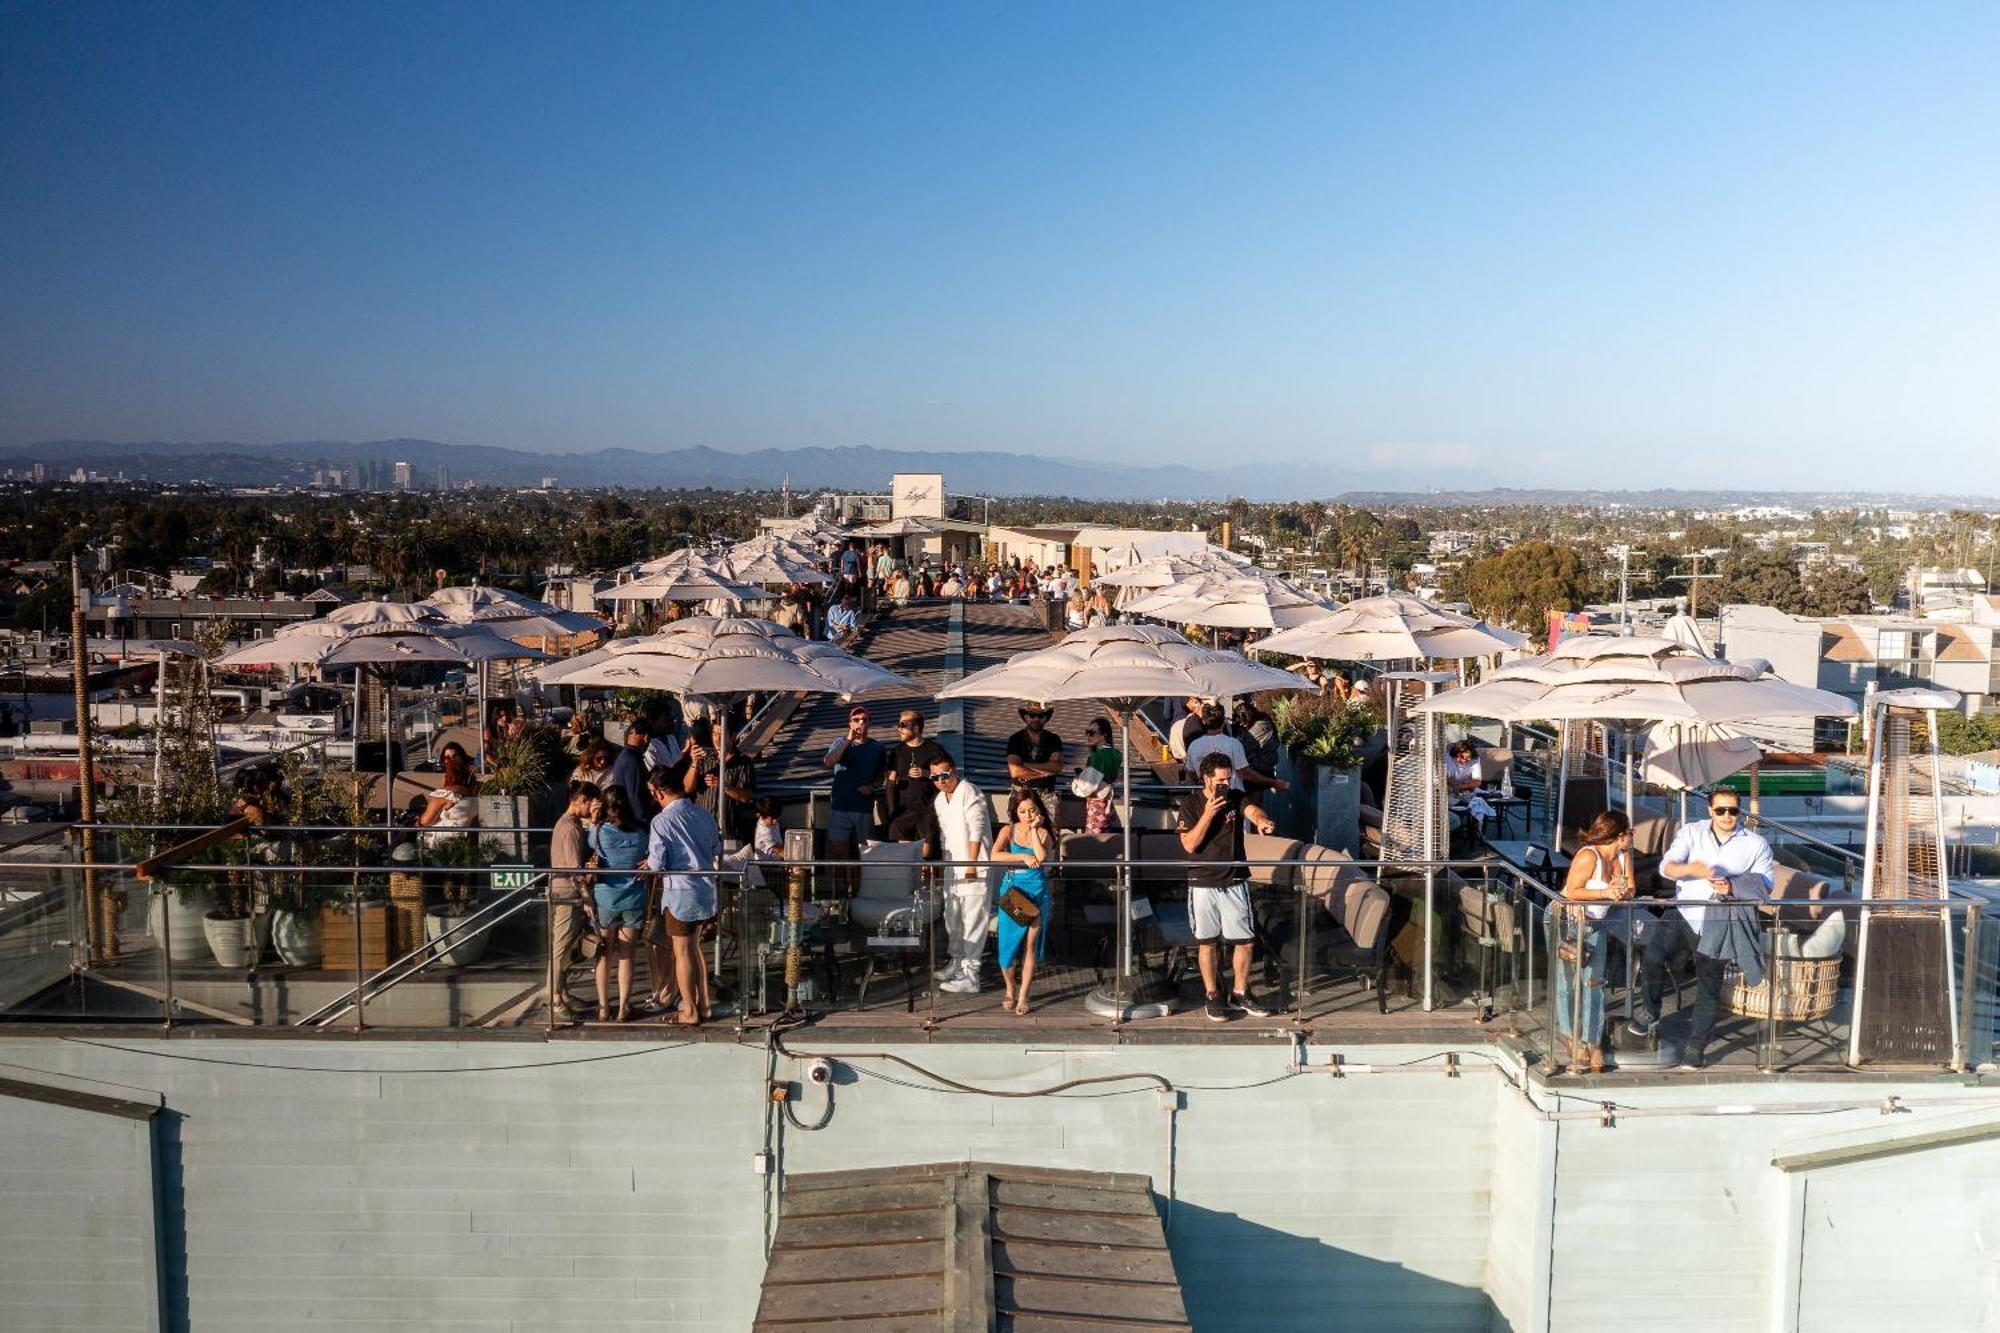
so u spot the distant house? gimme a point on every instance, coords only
(144, 616)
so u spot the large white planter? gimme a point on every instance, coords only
(167, 915)
(460, 950)
(232, 940)
(297, 937)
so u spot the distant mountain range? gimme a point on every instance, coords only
(859, 468)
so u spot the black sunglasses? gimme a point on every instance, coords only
(1037, 717)
(1725, 809)
(906, 722)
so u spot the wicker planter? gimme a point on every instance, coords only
(1806, 988)
(406, 913)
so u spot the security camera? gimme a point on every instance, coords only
(820, 1071)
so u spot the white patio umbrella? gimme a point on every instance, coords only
(510, 615)
(683, 585)
(718, 657)
(814, 528)
(1124, 665)
(1391, 628)
(378, 636)
(686, 558)
(1630, 681)
(1140, 578)
(771, 559)
(1232, 601)
(1686, 756)
(896, 528)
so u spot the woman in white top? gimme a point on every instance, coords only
(453, 810)
(1601, 873)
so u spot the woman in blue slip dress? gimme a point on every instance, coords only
(619, 843)
(1029, 840)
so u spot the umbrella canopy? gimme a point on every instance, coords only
(1685, 756)
(1163, 571)
(683, 585)
(511, 615)
(774, 559)
(1121, 662)
(393, 632)
(1232, 601)
(357, 614)
(714, 655)
(814, 529)
(687, 558)
(897, 527)
(1392, 628)
(1599, 678)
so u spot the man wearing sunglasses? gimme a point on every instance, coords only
(912, 815)
(1717, 860)
(965, 833)
(1034, 753)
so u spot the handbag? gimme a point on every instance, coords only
(1018, 906)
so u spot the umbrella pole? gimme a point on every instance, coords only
(480, 721)
(1125, 912)
(1562, 785)
(388, 750)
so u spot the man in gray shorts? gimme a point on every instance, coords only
(857, 763)
(1211, 828)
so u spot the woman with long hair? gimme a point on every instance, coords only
(1030, 843)
(618, 843)
(453, 810)
(1600, 873)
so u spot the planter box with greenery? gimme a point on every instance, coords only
(1326, 742)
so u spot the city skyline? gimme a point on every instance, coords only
(1552, 246)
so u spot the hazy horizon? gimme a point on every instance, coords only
(1552, 245)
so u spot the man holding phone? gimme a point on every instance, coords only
(1717, 860)
(1211, 829)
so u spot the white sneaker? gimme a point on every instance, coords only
(963, 984)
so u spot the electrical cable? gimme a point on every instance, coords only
(825, 1115)
(649, 1049)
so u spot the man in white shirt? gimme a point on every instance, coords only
(965, 826)
(1214, 739)
(1716, 860)
(1185, 729)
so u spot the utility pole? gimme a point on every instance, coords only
(1625, 554)
(1693, 580)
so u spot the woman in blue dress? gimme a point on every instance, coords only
(618, 841)
(1030, 842)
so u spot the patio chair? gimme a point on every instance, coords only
(890, 902)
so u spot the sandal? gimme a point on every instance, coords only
(624, 1014)
(604, 1013)
(1021, 1008)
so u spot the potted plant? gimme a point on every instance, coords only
(464, 854)
(515, 790)
(1327, 740)
(316, 797)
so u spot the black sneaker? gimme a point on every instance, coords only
(1693, 1061)
(1217, 1009)
(1642, 1030)
(1243, 1002)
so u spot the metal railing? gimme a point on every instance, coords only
(1480, 938)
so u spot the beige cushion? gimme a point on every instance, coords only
(1259, 847)
(1651, 835)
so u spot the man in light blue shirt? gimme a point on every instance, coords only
(683, 837)
(1714, 861)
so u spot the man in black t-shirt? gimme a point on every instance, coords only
(911, 797)
(1211, 827)
(1034, 753)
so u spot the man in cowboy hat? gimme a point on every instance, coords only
(1034, 753)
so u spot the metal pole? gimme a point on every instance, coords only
(163, 888)
(388, 748)
(1125, 871)
(159, 725)
(360, 973)
(1962, 1057)
(103, 923)
(1769, 1056)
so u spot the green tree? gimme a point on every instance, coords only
(1763, 578)
(1837, 591)
(1522, 584)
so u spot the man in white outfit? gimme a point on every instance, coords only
(965, 827)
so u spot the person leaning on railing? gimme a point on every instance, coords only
(1716, 860)
(1601, 873)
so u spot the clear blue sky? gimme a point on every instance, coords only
(1604, 244)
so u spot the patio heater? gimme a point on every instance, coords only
(1415, 815)
(1903, 988)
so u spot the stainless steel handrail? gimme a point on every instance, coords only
(424, 955)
